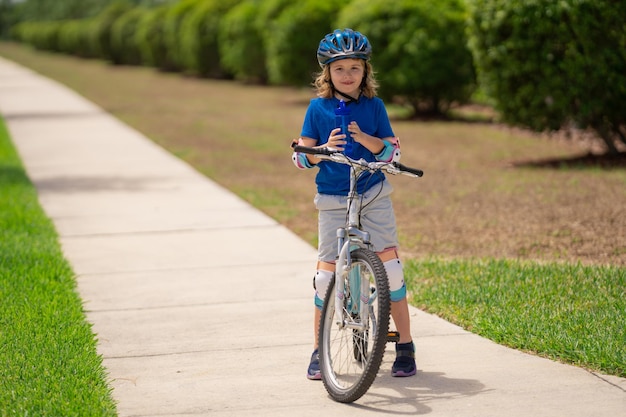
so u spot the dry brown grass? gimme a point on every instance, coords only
(485, 192)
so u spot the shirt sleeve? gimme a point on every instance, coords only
(384, 125)
(309, 128)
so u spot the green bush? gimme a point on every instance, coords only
(150, 39)
(549, 64)
(173, 19)
(293, 38)
(419, 49)
(123, 37)
(199, 36)
(40, 35)
(102, 30)
(240, 41)
(7, 18)
(53, 10)
(75, 38)
(265, 22)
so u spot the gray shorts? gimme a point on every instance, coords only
(377, 218)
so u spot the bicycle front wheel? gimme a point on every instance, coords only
(352, 346)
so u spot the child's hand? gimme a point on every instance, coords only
(356, 132)
(335, 140)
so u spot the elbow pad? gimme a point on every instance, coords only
(390, 151)
(301, 161)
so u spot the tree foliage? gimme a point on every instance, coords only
(550, 64)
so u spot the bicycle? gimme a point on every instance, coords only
(354, 327)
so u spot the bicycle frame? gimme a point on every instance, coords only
(349, 238)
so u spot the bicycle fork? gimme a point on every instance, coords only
(359, 297)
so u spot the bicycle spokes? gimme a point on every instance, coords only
(352, 346)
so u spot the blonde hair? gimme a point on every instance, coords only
(324, 87)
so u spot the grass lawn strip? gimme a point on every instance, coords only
(49, 364)
(571, 313)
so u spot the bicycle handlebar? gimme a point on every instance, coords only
(336, 156)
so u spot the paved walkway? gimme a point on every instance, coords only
(202, 305)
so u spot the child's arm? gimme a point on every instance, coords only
(390, 151)
(301, 160)
(386, 149)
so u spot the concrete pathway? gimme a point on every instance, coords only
(202, 305)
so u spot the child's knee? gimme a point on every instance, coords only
(395, 274)
(321, 282)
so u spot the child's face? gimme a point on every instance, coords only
(347, 74)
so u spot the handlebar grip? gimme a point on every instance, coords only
(414, 171)
(311, 151)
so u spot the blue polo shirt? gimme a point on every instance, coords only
(371, 116)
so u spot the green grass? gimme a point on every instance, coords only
(572, 313)
(48, 360)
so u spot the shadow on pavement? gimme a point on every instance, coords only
(415, 393)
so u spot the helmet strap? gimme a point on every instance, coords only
(350, 99)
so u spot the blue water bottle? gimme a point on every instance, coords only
(342, 120)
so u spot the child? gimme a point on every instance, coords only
(348, 75)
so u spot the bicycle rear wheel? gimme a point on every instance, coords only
(351, 353)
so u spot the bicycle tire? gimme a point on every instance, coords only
(349, 358)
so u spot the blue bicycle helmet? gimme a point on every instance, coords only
(342, 44)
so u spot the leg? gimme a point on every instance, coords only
(324, 272)
(317, 315)
(313, 371)
(323, 275)
(400, 315)
(399, 304)
(404, 364)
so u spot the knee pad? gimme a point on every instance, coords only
(321, 282)
(395, 274)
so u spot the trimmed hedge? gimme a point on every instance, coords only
(199, 37)
(75, 38)
(172, 23)
(240, 40)
(551, 64)
(41, 35)
(293, 40)
(544, 64)
(150, 38)
(419, 47)
(102, 28)
(123, 37)
(275, 41)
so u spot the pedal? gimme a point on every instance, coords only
(393, 336)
